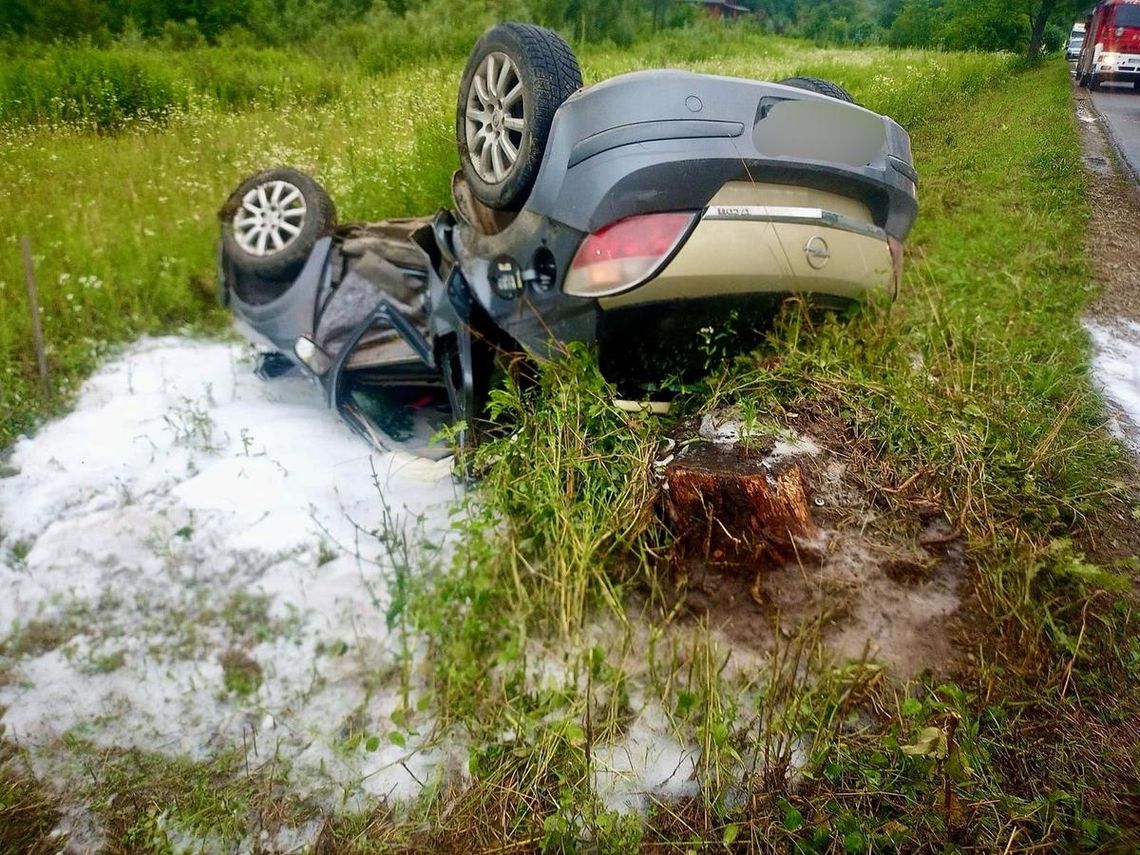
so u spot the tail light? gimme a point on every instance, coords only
(626, 253)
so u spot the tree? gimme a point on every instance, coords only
(777, 15)
(979, 25)
(888, 11)
(915, 24)
(1041, 12)
(837, 21)
(49, 19)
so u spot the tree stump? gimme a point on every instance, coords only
(724, 505)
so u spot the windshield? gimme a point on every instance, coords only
(1126, 16)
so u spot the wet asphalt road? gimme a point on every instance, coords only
(1120, 106)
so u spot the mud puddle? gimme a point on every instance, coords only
(873, 583)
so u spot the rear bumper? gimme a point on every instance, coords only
(719, 293)
(1119, 76)
(1117, 66)
(752, 247)
(663, 141)
(758, 249)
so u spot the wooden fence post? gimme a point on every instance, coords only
(34, 308)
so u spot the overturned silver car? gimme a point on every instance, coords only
(629, 215)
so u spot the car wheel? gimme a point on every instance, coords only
(271, 221)
(1082, 80)
(516, 78)
(1094, 82)
(823, 87)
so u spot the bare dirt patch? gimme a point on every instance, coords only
(881, 583)
(1113, 320)
(1112, 235)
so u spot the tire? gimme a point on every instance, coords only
(1094, 82)
(1082, 80)
(277, 206)
(823, 87)
(539, 72)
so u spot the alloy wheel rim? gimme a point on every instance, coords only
(270, 218)
(495, 118)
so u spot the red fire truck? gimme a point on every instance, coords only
(1111, 50)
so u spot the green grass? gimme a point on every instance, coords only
(971, 393)
(27, 810)
(151, 803)
(240, 673)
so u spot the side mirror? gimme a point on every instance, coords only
(312, 356)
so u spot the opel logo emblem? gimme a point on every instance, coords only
(817, 252)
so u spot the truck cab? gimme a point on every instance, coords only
(1111, 50)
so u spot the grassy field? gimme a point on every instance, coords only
(970, 395)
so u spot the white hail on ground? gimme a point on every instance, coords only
(1116, 371)
(185, 508)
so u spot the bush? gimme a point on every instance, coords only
(237, 77)
(970, 26)
(108, 89)
(182, 35)
(1056, 37)
(89, 86)
(435, 30)
(974, 25)
(420, 37)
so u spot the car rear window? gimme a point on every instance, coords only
(1126, 16)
